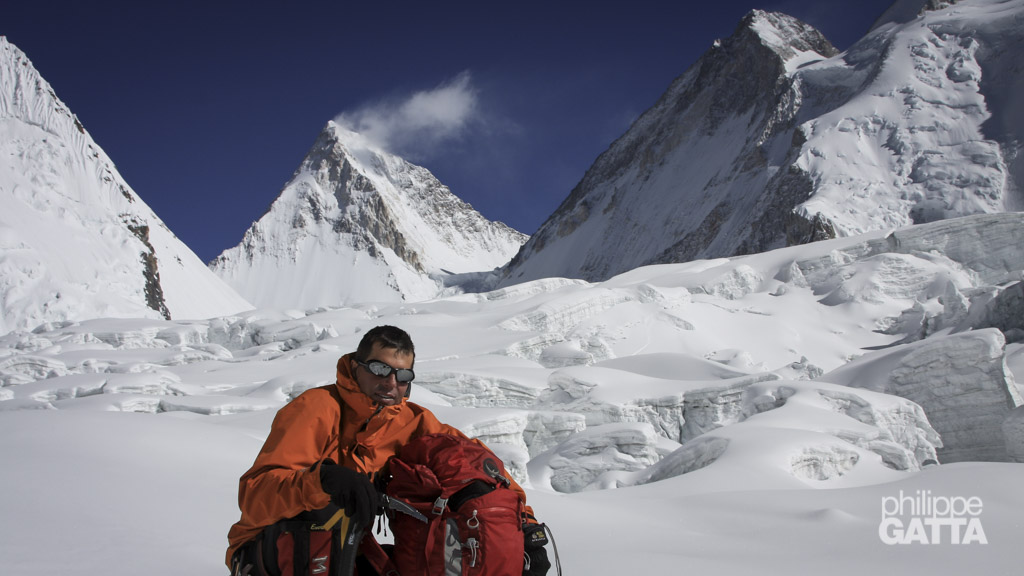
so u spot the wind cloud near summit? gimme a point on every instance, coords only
(412, 125)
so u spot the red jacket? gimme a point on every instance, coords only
(314, 427)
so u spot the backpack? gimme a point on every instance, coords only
(474, 518)
(320, 542)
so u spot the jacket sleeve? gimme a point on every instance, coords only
(285, 478)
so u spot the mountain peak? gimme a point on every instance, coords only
(773, 138)
(369, 225)
(794, 41)
(76, 242)
(356, 145)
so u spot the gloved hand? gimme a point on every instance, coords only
(535, 557)
(350, 490)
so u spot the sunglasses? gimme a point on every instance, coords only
(378, 368)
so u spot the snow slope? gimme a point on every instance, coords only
(740, 415)
(76, 241)
(356, 223)
(772, 138)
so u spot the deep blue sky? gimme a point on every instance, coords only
(208, 108)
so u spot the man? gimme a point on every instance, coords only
(358, 422)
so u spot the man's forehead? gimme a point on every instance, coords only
(381, 349)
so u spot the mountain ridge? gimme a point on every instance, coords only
(774, 138)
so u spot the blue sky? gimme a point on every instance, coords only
(208, 108)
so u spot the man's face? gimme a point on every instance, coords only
(385, 391)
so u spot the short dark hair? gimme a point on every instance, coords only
(387, 337)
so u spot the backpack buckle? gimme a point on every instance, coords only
(439, 505)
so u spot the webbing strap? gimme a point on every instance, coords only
(301, 555)
(332, 521)
(337, 566)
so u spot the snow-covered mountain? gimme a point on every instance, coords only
(356, 224)
(772, 139)
(76, 242)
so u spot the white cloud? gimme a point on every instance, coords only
(414, 125)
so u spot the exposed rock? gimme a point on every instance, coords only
(154, 291)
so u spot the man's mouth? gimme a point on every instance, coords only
(382, 398)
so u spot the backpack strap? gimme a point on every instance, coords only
(300, 558)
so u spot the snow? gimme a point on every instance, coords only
(915, 128)
(728, 415)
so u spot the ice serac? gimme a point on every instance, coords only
(962, 383)
(357, 224)
(1013, 431)
(633, 438)
(956, 275)
(772, 139)
(76, 242)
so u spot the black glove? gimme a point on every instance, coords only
(535, 557)
(350, 490)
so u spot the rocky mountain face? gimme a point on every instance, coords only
(773, 138)
(76, 242)
(356, 223)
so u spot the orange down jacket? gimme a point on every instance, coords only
(355, 432)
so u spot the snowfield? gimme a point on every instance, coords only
(783, 413)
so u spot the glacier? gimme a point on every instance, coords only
(777, 389)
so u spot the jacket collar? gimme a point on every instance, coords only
(363, 406)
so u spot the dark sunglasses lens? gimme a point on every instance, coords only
(383, 370)
(379, 369)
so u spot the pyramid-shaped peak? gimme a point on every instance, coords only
(374, 227)
(350, 138)
(78, 242)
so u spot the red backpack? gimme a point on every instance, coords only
(474, 519)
